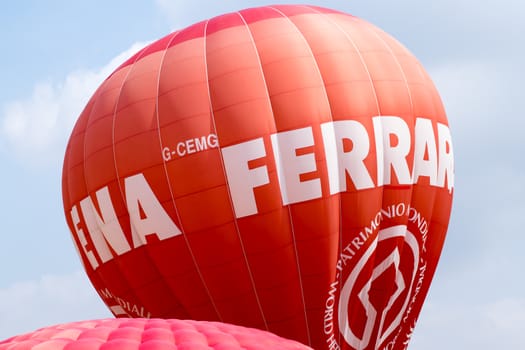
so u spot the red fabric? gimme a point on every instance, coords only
(253, 81)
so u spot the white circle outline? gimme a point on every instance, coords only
(371, 312)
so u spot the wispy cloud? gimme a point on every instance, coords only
(35, 128)
(26, 306)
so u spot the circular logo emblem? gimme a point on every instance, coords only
(369, 304)
(373, 315)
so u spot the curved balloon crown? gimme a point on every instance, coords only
(288, 168)
(148, 334)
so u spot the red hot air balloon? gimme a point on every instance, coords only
(288, 168)
(148, 334)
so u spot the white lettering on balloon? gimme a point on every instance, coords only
(122, 307)
(433, 159)
(146, 215)
(190, 146)
(100, 236)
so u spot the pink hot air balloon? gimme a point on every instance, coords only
(148, 334)
(288, 168)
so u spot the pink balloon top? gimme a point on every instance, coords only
(148, 334)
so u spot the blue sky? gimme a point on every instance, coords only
(55, 53)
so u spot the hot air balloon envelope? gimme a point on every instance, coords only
(288, 168)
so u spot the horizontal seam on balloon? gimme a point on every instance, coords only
(233, 71)
(121, 108)
(101, 118)
(185, 118)
(181, 87)
(228, 47)
(285, 59)
(290, 91)
(237, 103)
(132, 136)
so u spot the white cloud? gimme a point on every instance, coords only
(35, 128)
(52, 299)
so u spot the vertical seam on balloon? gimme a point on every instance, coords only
(318, 69)
(97, 92)
(293, 231)
(389, 48)
(194, 259)
(252, 280)
(404, 80)
(123, 197)
(340, 223)
(114, 161)
(434, 193)
(361, 58)
(275, 127)
(117, 99)
(428, 80)
(414, 119)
